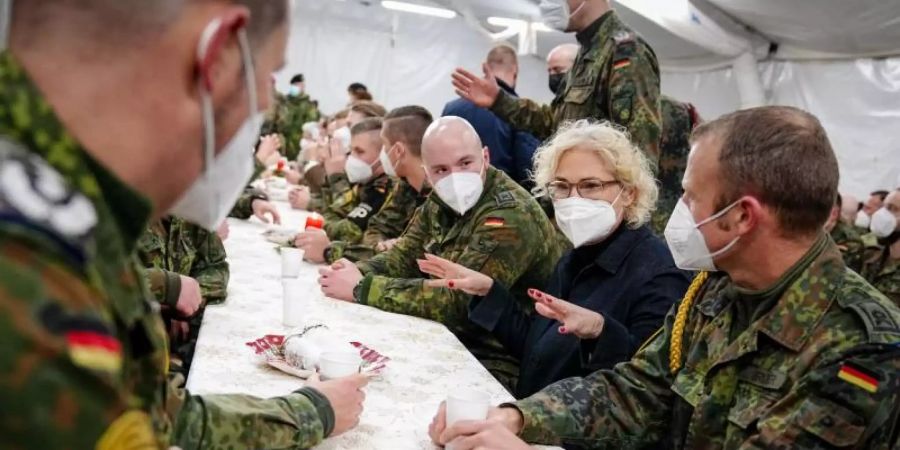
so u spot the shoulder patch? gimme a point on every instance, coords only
(879, 323)
(506, 198)
(624, 37)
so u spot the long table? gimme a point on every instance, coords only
(427, 361)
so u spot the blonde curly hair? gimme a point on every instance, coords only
(613, 145)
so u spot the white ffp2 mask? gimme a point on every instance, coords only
(883, 223)
(461, 190)
(585, 221)
(686, 242)
(358, 171)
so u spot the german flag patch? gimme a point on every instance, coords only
(621, 64)
(94, 350)
(495, 222)
(858, 377)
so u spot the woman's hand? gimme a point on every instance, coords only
(581, 322)
(454, 276)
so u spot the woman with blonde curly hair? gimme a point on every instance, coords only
(609, 293)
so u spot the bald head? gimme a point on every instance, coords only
(451, 144)
(504, 62)
(562, 58)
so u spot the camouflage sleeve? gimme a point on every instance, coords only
(494, 249)
(353, 252)
(210, 268)
(60, 386)
(394, 216)
(823, 407)
(526, 115)
(634, 96)
(371, 199)
(316, 202)
(340, 208)
(299, 420)
(628, 404)
(338, 185)
(400, 260)
(164, 285)
(243, 209)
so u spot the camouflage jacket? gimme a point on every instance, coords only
(171, 247)
(286, 118)
(84, 345)
(389, 223)
(815, 366)
(884, 273)
(851, 244)
(615, 78)
(337, 188)
(243, 209)
(502, 236)
(678, 120)
(348, 217)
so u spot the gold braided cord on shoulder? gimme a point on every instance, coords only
(681, 319)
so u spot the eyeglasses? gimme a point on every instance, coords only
(590, 188)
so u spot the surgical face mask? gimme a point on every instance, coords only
(556, 14)
(343, 134)
(386, 163)
(862, 220)
(585, 221)
(883, 223)
(358, 171)
(294, 90)
(686, 242)
(208, 201)
(556, 82)
(460, 190)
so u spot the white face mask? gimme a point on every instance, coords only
(585, 221)
(556, 14)
(686, 242)
(883, 223)
(386, 163)
(460, 190)
(358, 171)
(208, 201)
(343, 135)
(862, 220)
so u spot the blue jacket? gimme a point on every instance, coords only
(511, 151)
(630, 279)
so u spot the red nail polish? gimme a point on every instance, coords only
(538, 294)
(562, 330)
(450, 284)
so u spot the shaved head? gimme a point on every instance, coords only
(562, 58)
(451, 145)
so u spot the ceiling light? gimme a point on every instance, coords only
(419, 9)
(516, 24)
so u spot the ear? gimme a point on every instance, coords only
(487, 156)
(747, 214)
(629, 196)
(218, 51)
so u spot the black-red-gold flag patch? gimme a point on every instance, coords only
(495, 222)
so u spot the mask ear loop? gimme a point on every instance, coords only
(5, 23)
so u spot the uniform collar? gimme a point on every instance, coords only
(37, 128)
(600, 27)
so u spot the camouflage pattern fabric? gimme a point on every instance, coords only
(365, 201)
(336, 194)
(851, 244)
(884, 273)
(172, 247)
(84, 349)
(817, 367)
(243, 209)
(615, 78)
(679, 120)
(389, 223)
(286, 118)
(489, 238)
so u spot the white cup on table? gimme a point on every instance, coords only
(340, 364)
(466, 404)
(291, 259)
(294, 295)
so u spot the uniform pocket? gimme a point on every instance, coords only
(579, 95)
(752, 401)
(830, 422)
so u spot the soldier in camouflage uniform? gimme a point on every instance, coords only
(847, 238)
(882, 264)
(85, 354)
(364, 201)
(615, 78)
(798, 352)
(254, 202)
(170, 248)
(401, 138)
(488, 237)
(288, 114)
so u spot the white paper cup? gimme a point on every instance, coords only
(467, 404)
(291, 260)
(341, 364)
(294, 302)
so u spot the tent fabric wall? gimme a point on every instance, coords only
(334, 44)
(857, 101)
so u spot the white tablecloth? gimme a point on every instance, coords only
(427, 361)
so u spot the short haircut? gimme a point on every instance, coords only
(366, 125)
(502, 56)
(782, 156)
(124, 23)
(407, 124)
(342, 114)
(612, 144)
(839, 201)
(357, 87)
(880, 194)
(297, 78)
(368, 108)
